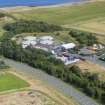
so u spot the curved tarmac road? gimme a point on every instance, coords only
(54, 82)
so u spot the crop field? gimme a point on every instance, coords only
(9, 82)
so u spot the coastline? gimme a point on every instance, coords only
(51, 6)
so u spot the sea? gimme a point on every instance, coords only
(12, 3)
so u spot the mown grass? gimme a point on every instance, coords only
(9, 81)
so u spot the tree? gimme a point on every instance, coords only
(103, 98)
(90, 91)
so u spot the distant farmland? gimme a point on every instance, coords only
(93, 25)
(62, 15)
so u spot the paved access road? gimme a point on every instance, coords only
(54, 82)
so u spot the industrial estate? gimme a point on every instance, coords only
(47, 43)
(53, 55)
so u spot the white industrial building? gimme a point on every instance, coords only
(29, 40)
(46, 40)
(37, 41)
(46, 43)
(68, 60)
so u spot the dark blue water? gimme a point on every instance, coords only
(8, 3)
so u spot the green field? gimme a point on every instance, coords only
(9, 82)
(62, 15)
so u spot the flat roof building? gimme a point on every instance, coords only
(29, 40)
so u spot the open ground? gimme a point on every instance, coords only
(38, 93)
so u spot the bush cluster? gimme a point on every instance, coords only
(22, 26)
(84, 38)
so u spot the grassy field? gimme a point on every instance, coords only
(9, 82)
(92, 68)
(93, 25)
(62, 15)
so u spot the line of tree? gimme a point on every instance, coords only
(84, 38)
(22, 26)
(86, 82)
